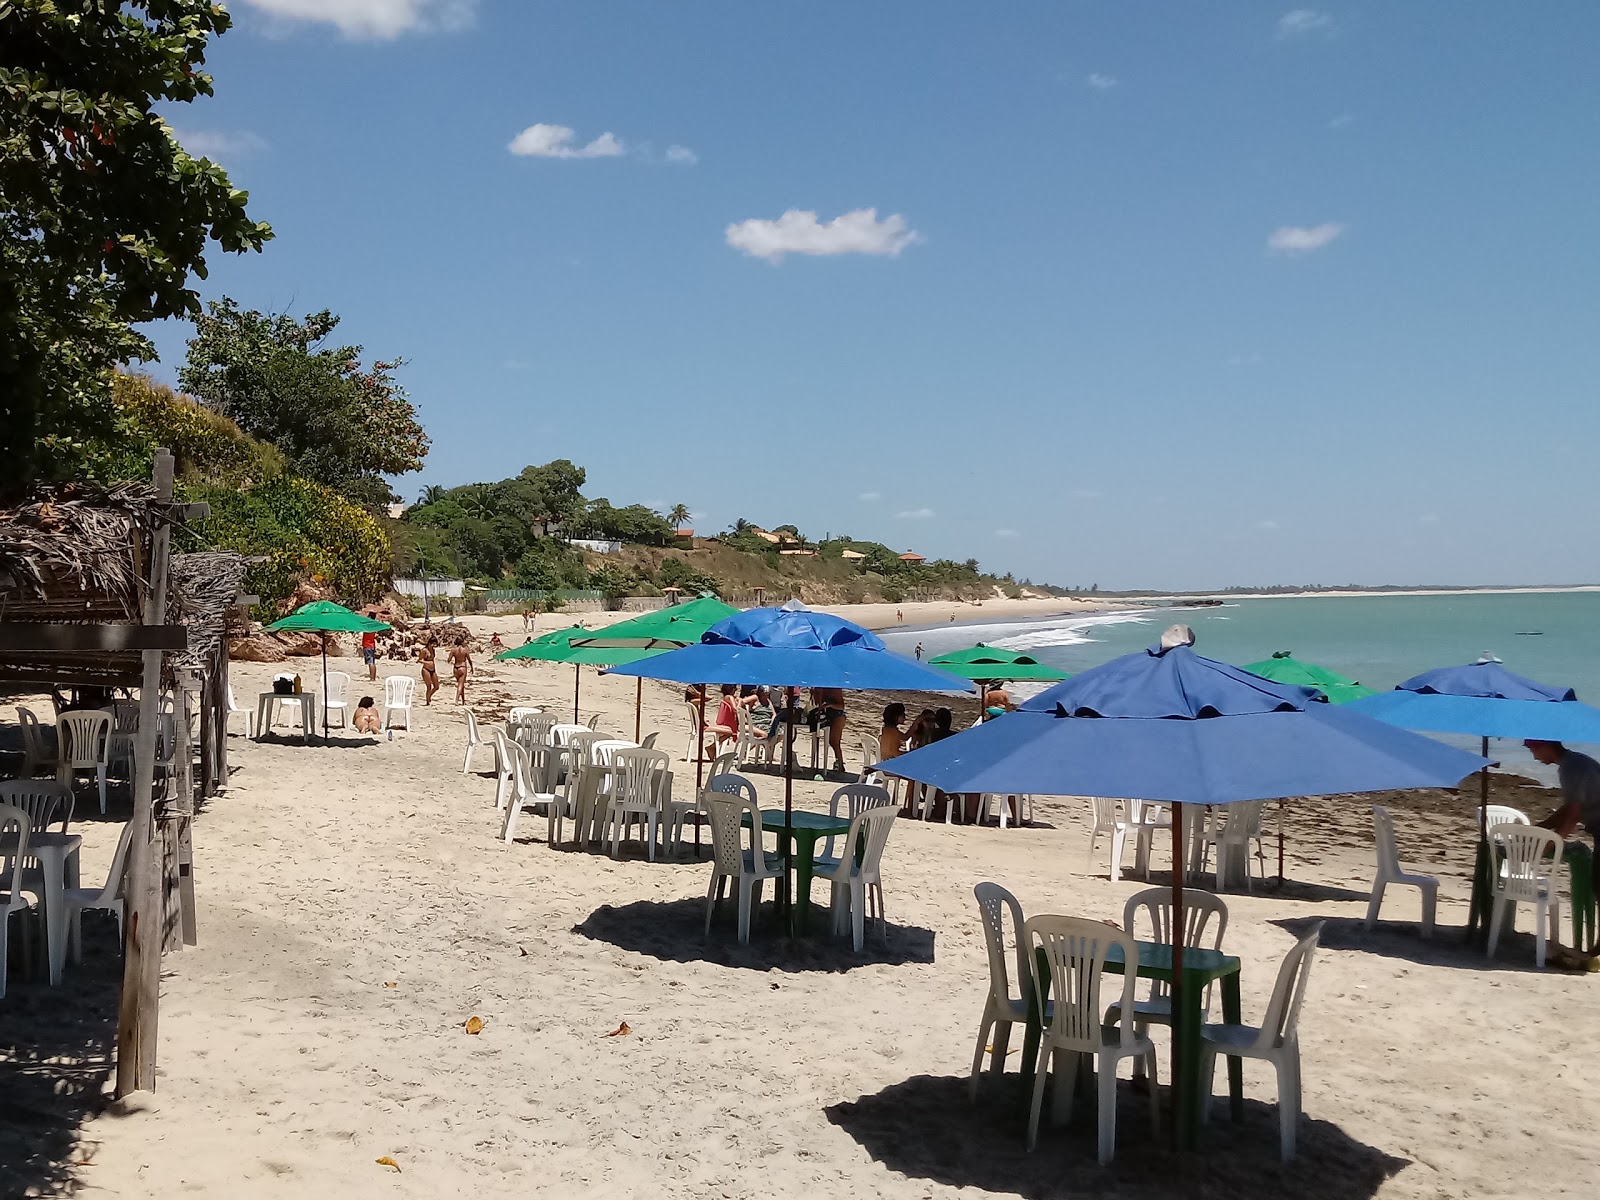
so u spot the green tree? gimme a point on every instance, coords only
(339, 423)
(103, 215)
(678, 517)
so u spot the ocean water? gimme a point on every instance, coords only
(1553, 637)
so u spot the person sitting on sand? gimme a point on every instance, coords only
(495, 644)
(430, 669)
(996, 700)
(366, 716)
(461, 662)
(1579, 776)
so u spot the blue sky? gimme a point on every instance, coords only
(1170, 294)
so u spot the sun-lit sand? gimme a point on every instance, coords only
(357, 908)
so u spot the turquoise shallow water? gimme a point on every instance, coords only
(1379, 640)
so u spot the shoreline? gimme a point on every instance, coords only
(1483, 591)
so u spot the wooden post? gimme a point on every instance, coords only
(141, 969)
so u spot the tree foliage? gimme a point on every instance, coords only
(103, 215)
(339, 423)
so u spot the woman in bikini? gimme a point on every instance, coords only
(461, 662)
(829, 705)
(430, 670)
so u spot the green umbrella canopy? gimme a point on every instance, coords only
(665, 629)
(1283, 667)
(324, 616)
(557, 646)
(991, 662)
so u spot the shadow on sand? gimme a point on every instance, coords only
(674, 931)
(1448, 947)
(57, 1049)
(926, 1128)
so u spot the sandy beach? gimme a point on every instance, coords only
(357, 908)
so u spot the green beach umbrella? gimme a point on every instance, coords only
(982, 662)
(1283, 667)
(325, 617)
(669, 628)
(559, 646)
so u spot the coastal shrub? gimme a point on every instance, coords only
(207, 447)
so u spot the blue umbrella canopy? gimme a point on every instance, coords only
(794, 647)
(1486, 700)
(1169, 724)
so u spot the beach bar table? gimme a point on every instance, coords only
(268, 702)
(802, 829)
(1201, 968)
(58, 861)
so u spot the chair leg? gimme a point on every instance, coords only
(510, 826)
(1118, 846)
(712, 890)
(1067, 1064)
(1541, 923)
(1149, 1061)
(1039, 1073)
(1500, 906)
(100, 773)
(985, 1028)
(1288, 1101)
(1107, 1067)
(1208, 1077)
(858, 914)
(1001, 1040)
(1376, 903)
(1430, 903)
(747, 887)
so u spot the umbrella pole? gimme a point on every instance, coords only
(699, 762)
(1282, 878)
(1483, 866)
(577, 682)
(788, 818)
(1179, 868)
(324, 685)
(638, 705)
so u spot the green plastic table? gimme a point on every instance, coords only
(803, 829)
(1201, 968)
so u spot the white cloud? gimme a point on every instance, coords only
(1300, 22)
(1340, 121)
(682, 156)
(1006, 533)
(799, 232)
(219, 145)
(1102, 83)
(872, 495)
(915, 514)
(1269, 526)
(556, 141)
(1302, 239)
(380, 19)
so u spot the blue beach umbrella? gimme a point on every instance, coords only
(794, 647)
(1168, 724)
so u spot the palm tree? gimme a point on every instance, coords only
(678, 516)
(431, 494)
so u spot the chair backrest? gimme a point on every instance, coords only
(855, 797)
(124, 716)
(724, 764)
(1501, 814)
(1200, 911)
(594, 721)
(536, 726)
(520, 711)
(994, 902)
(649, 742)
(13, 822)
(1282, 1022)
(559, 733)
(1533, 856)
(580, 747)
(119, 863)
(32, 738)
(603, 750)
(338, 684)
(233, 705)
(732, 785)
(83, 734)
(1243, 821)
(44, 800)
(639, 773)
(502, 747)
(869, 833)
(871, 755)
(530, 769)
(1105, 812)
(1383, 840)
(473, 736)
(725, 814)
(1075, 951)
(541, 763)
(397, 691)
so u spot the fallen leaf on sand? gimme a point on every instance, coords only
(622, 1030)
(391, 985)
(386, 1161)
(522, 952)
(474, 1025)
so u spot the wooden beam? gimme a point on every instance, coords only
(41, 637)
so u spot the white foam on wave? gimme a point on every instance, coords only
(1073, 631)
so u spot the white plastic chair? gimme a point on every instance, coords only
(532, 728)
(37, 753)
(398, 692)
(476, 739)
(1276, 1041)
(594, 722)
(649, 742)
(13, 822)
(338, 705)
(504, 768)
(1390, 871)
(1001, 1010)
(737, 854)
(1234, 828)
(750, 745)
(638, 777)
(249, 714)
(120, 738)
(531, 786)
(1108, 818)
(105, 899)
(1199, 910)
(852, 798)
(855, 876)
(83, 735)
(520, 711)
(694, 730)
(589, 780)
(44, 800)
(1075, 950)
(1532, 865)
